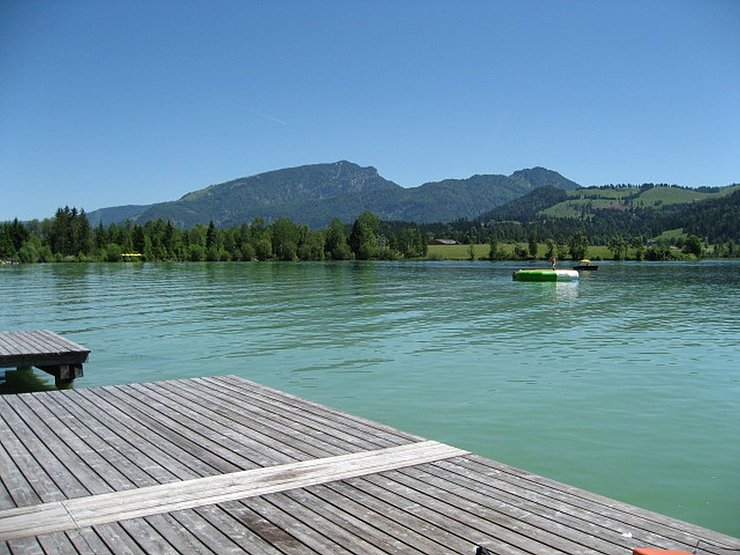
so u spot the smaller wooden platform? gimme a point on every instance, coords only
(45, 350)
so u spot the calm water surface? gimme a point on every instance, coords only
(626, 383)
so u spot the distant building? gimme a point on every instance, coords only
(444, 242)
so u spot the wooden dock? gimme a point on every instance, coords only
(223, 465)
(45, 350)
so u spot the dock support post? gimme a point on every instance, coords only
(64, 374)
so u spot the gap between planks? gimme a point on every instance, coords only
(80, 512)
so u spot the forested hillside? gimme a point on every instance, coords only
(344, 211)
(315, 194)
(602, 212)
(680, 230)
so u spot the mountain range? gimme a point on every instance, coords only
(315, 194)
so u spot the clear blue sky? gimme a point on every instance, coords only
(107, 102)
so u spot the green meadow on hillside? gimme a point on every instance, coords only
(658, 196)
(583, 202)
(482, 251)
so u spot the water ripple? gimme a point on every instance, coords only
(579, 381)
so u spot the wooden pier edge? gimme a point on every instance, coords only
(224, 465)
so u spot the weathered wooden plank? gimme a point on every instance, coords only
(56, 343)
(6, 501)
(323, 416)
(549, 513)
(589, 526)
(266, 533)
(112, 467)
(78, 460)
(515, 520)
(179, 537)
(130, 504)
(442, 521)
(332, 417)
(57, 543)
(316, 517)
(11, 479)
(125, 438)
(42, 486)
(292, 428)
(127, 422)
(67, 482)
(87, 541)
(221, 445)
(312, 539)
(59, 342)
(358, 522)
(210, 537)
(22, 522)
(149, 538)
(115, 538)
(268, 411)
(596, 508)
(299, 441)
(6, 346)
(25, 546)
(20, 491)
(201, 449)
(249, 483)
(13, 343)
(250, 424)
(230, 432)
(233, 527)
(40, 342)
(398, 517)
(25, 341)
(285, 418)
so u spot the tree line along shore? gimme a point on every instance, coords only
(68, 237)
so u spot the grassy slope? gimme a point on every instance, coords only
(462, 252)
(670, 195)
(651, 198)
(582, 197)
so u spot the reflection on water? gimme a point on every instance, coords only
(24, 380)
(613, 383)
(566, 292)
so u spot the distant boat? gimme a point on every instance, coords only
(585, 265)
(545, 275)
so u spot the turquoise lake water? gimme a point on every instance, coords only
(626, 383)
